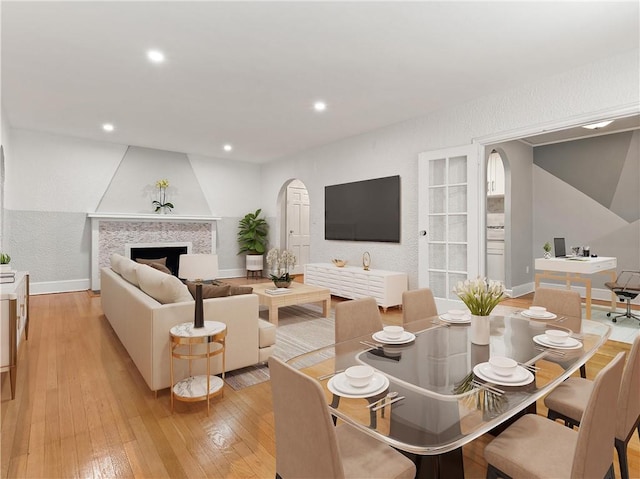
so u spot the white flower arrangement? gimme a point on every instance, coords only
(480, 295)
(280, 262)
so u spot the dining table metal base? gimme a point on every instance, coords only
(449, 465)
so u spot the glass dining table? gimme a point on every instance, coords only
(449, 396)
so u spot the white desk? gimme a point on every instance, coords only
(573, 268)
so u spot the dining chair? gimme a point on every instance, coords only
(563, 302)
(569, 400)
(309, 446)
(533, 446)
(418, 304)
(356, 317)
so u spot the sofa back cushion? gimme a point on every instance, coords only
(116, 262)
(164, 288)
(129, 270)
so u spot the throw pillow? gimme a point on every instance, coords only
(160, 267)
(162, 261)
(235, 290)
(209, 290)
(164, 288)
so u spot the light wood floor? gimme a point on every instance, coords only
(83, 410)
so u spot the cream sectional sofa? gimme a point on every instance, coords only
(142, 322)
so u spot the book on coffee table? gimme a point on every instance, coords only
(277, 291)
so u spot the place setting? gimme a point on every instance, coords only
(359, 381)
(538, 312)
(393, 335)
(557, 339)
(456, 316)
(504, 371)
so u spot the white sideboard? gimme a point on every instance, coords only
(352, 282)
(14, 299)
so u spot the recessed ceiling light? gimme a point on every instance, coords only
(107, 127)
(319, 106)
(156, 56)
(595, 126)
(227, 147)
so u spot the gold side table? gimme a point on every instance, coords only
(192, 343)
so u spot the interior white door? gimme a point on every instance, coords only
(298, 238)
(449, 220)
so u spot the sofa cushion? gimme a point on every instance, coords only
(209, 290)
(128, 270)
(116, 262)
(164, 288)
(235, 290)
(266, 333)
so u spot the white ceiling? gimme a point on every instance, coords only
(247, 73)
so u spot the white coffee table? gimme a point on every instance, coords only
(299, 293)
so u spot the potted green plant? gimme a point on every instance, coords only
(252, 238)
(547, 250)
(5, 259)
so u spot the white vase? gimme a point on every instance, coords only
(480, 330)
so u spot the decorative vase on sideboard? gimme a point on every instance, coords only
(480, 330)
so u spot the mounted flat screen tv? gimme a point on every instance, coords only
(366, 210)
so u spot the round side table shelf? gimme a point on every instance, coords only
(184, 345)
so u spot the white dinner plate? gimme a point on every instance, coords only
(339, 385)
(570, 343)
(406, 337)
(448, 319)
(528, 314)
(521, 376)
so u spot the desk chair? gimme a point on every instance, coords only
(309, 446)
(626, 287)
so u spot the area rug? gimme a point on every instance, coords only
(624, 330)
(300, 329)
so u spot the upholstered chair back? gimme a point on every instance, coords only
(563, 302)
(629, 399)
(418, 304)
(306, 444)
(356, 318)
(594, 453)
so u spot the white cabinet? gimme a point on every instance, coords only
(14, 299)
(495, 175)
(495, 260)
(352, 282)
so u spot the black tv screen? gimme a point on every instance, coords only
(366, 210)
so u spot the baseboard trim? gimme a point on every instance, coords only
(50, 287)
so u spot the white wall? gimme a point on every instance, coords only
(394, 150)
(53, 181)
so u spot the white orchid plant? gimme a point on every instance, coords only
(280, 262)
(162, 186)
(480, 295)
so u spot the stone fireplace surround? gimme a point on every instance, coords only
(114, 233)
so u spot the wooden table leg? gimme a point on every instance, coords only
(273, 315)
(588, 298)
(326, 307)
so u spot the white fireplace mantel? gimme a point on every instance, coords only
(141, 226)
(150, 217)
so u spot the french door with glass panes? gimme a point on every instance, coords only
(449, 221)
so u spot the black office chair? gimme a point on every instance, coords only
(626, 287)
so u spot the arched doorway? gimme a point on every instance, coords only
(293, 208)
(496, 198)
